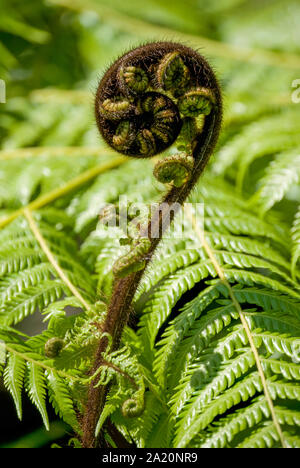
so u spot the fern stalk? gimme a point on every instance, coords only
(52, 260)
(203, 144)
(71, 151)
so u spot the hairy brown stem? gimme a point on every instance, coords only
(124, 288)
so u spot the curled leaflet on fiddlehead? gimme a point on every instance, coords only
(134, 260)
(53, 347)
(176, 168)
(132, 408)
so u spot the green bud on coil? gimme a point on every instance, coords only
(133, 408)
(172, 73)
(53, 347)
(134, 79)
(134, 261)
(176, 168)
(114, 109)
(196, 102)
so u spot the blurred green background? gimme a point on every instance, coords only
(53, 52)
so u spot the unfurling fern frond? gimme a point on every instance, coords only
(189, 339)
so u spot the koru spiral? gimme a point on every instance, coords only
(151, 96)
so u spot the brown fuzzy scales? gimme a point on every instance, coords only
(200, 75)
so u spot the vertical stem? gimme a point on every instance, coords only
(125, 288)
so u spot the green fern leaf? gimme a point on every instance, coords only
(13, 380)
(35, 384)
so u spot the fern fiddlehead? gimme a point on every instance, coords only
(53, 347)
(148, 99)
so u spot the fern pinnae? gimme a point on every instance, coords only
(269, 299)
(243, 390)
(211, 383)
(270, 134)
(159, 307)
(177, 329)
(242, 224)
(52, 260)
(288, 370)
(246, 261)
(250, 278)
(24, 353)
(68, 187)
(196, 340)
(16, 282)
(12, 261)
(13, 379)
(265, 436)
(283, 173)
(220, 435)
(283, 343)
(246, 327)
(26, 303)
(295, 232)
(210, 352)
(185, 257)
(164, 268)
(280, 144)
(61, 400)
(250, 246)
(36, 388)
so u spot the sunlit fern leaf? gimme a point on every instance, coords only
(35, 385)
(266, 436)
(296, 243)
(61, 399)
(276, 342)
(266, 298)
(24, 304)
(179, 326)
(101, 252)
(154, 413)
(13, 379)
(241, 391)
(288, 370)
(212, 382)
(27, 282)
(269, 135)
(113, 403)
(16, 282)
(281, 175)
(220, 434)
(157, 309)
(109, 187)
(161, 435)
